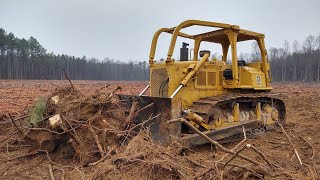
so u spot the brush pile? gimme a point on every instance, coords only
(96, 130)
(84, 127)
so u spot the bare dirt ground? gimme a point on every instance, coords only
(143, 160)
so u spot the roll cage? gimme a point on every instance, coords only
(228, 35)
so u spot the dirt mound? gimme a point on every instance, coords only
(82, 126)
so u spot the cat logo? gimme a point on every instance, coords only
(258, 80)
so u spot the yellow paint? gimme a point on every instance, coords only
(236, 112)
(204, 78)
(258, 111)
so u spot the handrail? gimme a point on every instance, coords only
(189, 23)
(156, 37)
(175, 31)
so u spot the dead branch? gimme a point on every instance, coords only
(19, 118)
(197, 176)
(51, 172)
(24, 155)
(237, 146)
(125, 160)
(113, 92)
(67, 77)
(127, 132)
(291, 143)
(72, 128)
(55, 85)
(262, 155)
(193, 162)
(63, 166)
(96, 138)
(104, 158)
(147, 106)
(105, 86)
(14, 124)
(52, 162)
(143, 123)
(218, 145)
(247, 169)
(10, 135)
(54, 132)
(132, 113)
(236, 154)
(277, 143)
(229, 164)
(313, 150)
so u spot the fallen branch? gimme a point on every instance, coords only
(247, 169)
(313, 150)
(51, 172)
(105, 86)
(113, 92)
(24, 155)
(10, 121)
(102, 159)
(71, 127)
(67, 77)
(143, 123)
(229, 164)
(102, 153)
(262, 155)
(10, 135)
(55, 85)
(147, 106)
(291, 143)
(132, 113)
(127, 132)
(236, 154)
(218, 145)
(237, 146)
(14, 124)
(54, 132)
(124, 160)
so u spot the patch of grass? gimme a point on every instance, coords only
(38, 111)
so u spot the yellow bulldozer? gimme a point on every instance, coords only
(220, 97)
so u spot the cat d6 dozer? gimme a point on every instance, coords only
(220, 97)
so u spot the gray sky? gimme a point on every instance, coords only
(123, 30)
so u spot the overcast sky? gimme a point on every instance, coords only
(123, 30)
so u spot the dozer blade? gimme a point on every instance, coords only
(167, 109)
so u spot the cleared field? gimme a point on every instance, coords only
(303, 126)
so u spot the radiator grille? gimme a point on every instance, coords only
(212, 79)
(201, 78)
(159, 82)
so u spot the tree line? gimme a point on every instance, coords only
(299, 62)
(28, 59)
(296, 62)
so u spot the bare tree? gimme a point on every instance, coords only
(309, 44)
(255, 52)
(295, 46)
(318, 42)
(286, 46)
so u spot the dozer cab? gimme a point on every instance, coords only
(218, 97)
